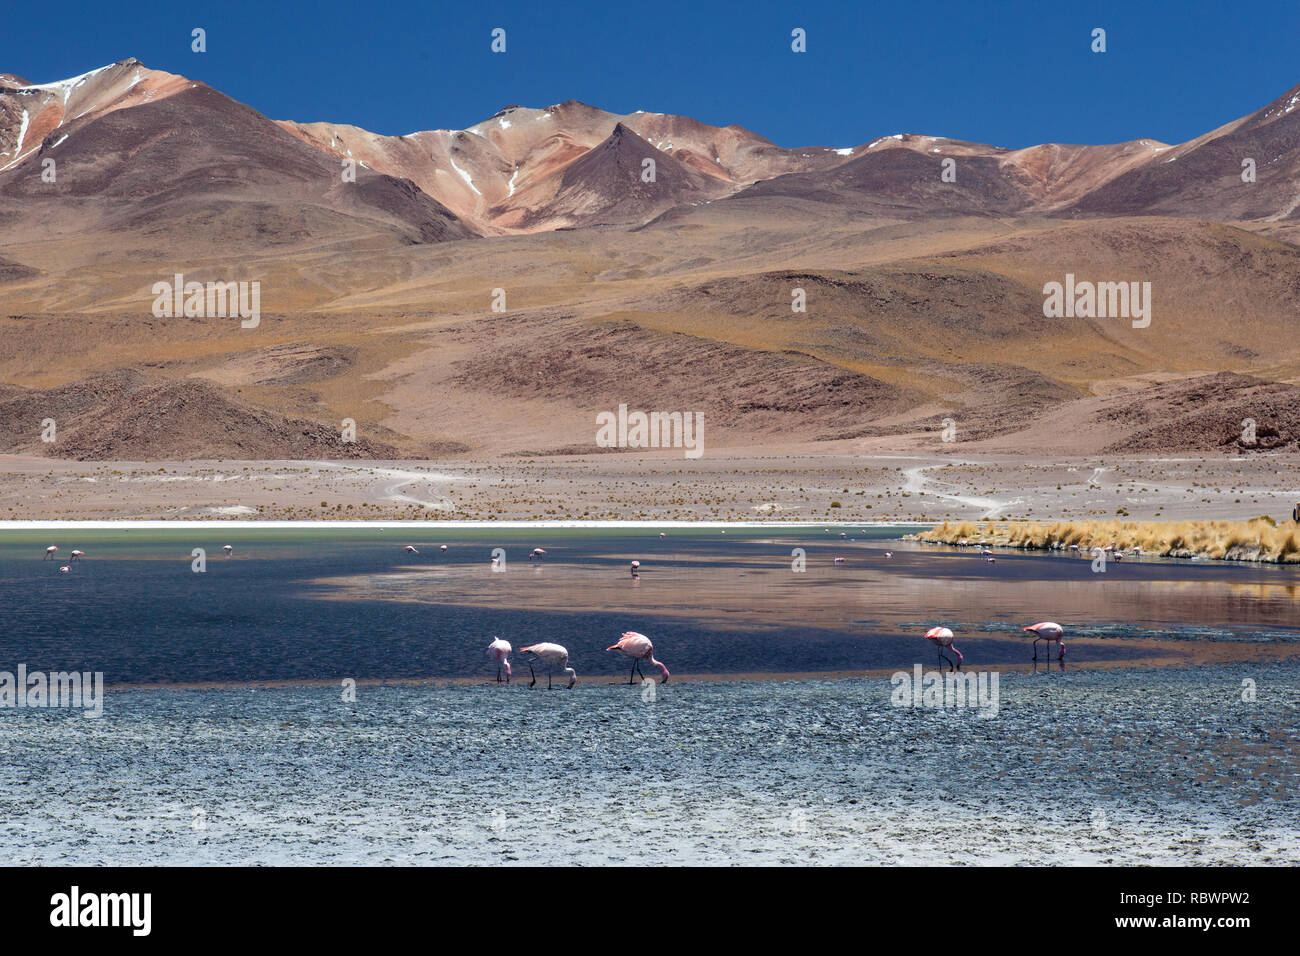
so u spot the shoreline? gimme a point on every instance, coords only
(1272, 654)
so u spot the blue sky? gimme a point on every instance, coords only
(1009, 73)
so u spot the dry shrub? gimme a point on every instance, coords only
(1254, 540)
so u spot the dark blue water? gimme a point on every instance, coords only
(276, 610)
(1129, 764)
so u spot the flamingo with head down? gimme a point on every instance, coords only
(942, 638)
(555, 655)
(1048, 631)
(499, 651)
(638, 647)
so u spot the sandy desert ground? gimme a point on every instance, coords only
(739, 486)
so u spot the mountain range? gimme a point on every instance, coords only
(643, 258)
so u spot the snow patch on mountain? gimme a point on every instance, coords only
(463, 175)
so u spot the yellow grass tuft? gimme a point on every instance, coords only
(1254, 540)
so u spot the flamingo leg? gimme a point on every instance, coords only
(633, 671)
(549, 672)
(1036, 640)
(533, 673)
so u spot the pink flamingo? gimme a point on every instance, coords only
(78, 554)
(537, 553)
(555, 656)
(636, 566)
(638, 647)
(229, 549)
(49, 552)
(889, 554)
(661, 534)
(442, 548)
(942, 638)
(839, 560)
(411, 548)
(499, 651)
(1048, 631)
(65, 568)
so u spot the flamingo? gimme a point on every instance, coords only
(638, 647)
(411, 548)
(443, 548)
(66, 568)
(889, 554)
(49, 552)
(843, 534)
(942, 638)
(636, 565)
(1048, 631)
(555, 656)
(839, 560)
(78, 554)
(499, 650)
(537, 553)
(229, 549)
(662, 535)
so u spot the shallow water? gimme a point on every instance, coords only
(1105, 759)
(1151, 766)
(324, 606)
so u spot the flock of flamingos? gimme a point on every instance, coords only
(637, 646)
